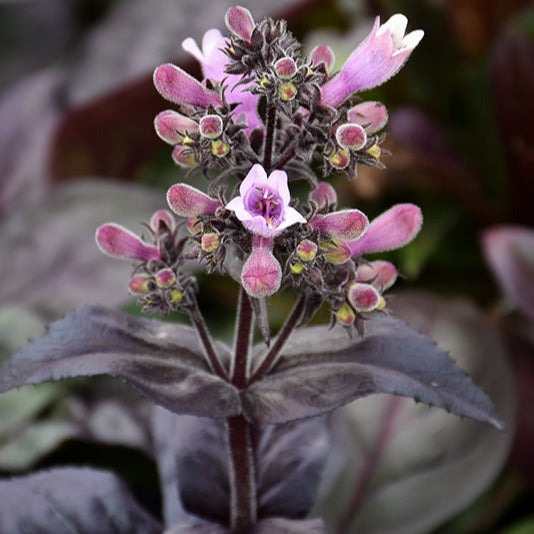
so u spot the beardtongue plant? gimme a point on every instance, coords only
(247, 451)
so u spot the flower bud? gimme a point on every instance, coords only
(363, 297)
(374, 151)
(139, 284)
(285, 68)
(176, 296)
(165, 278)
(219, 148)
(380, 274)
(119, 242)
(262, 274)
(194, 225)
(240, 22)
(336, 251)
(209, 242)
(344, 224)
(187, 201)
(324, 195)
(296, 268)
(307, 250)
(211, 126)
(345, 315)
(162, 219)
(323, 55)
(339, 159)
(184, 157)
(172, 126)
(372, 116)
(287, 91)
(351, 136)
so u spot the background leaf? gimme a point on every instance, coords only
(69, 500)
(401, 468)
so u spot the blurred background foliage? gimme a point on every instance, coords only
(77, 148)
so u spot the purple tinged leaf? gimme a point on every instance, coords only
(161, 360)
(69, 500)
(197, 527)
(344, 224)
(176, 85)
(393, 229)
(117, 241)
(187, 201)
(322, 369)
(509, 252)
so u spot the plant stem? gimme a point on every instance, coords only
(269, 137)
(242, 475)
(211, 356)
(287, 154)
(240, 363)
(270, 358)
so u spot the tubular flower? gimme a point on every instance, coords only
(213, 62)
(263, 206)
(379, 57)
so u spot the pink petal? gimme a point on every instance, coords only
(379, 57)
(373, 116)
(393, 229)
(255, 177)
(262, 274)
(172, 126)
(117, 241)
(190, 202)
(278, 181)
(509, 251)
(344, 225)
(176, 85)
(380, 274)
(240, 22)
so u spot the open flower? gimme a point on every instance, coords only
(213, 61)
(263, 206)
(379, 57)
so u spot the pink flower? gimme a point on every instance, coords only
(393, 229)
(262, 273)
(379, 57)
(263, 206)
(213, 61)
(117, 241)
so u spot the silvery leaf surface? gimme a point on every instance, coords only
(322, 369)
(161, 360)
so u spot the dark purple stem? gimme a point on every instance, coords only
(283, 335)
(371, 463)
(269, 137)
(286, 156)
(209, 351)
(243, 332)
(242, 476)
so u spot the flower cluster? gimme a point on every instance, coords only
(260, 117)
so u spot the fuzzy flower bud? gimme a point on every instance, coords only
(324, 195)
(240, 22)
(323, 55)
(262, 274)
(211, 126)
(339, 159)
(172, 127)
(117, 241)
(351, 136)
(307, 250)
(363, 297)
(372, 116)
(343, 225)
(219, 148)
(345, 315)
(165, 278)
(139, 284)
(188, 201)
(209, 242)
(287, 91)
(285, 68)
(183, 157)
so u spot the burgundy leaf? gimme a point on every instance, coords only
(70, 500)
(161, 360)
(322, 369)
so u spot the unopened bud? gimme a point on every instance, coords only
(336, 251)
(345, 315)
(323, 55)
(209, 242)
(339, 159)
(211, 126)
(381, 304)
(285, 68)
(324, 195)
(296, 268)
(139, 284)
(194, 225)
(184, 157)
(372, 116)
(240, 22)
(363, 297)
(219, 148)
(351, 136)
(165, 278)
(374, 151)
(176, 296)
(162, 219)
(307, 250)
(287, 91)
